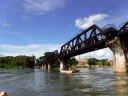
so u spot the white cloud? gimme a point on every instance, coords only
(99, 54)
(42, 6)
(29, 50)
(86, 22)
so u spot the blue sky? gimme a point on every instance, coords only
(32, 27)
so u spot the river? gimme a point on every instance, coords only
(89, 82)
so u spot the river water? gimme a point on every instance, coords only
(89, 82)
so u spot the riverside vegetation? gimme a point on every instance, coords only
(22, 61)
(73, 63)
(18, 62)
(93, 62)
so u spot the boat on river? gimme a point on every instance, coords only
(69, 71)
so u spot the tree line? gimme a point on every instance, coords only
(17, 62)
(23, 61)
(100, 63)
(49, 58)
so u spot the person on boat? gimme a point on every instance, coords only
(3, 93)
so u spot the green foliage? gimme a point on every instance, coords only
(73, 62)
(92, 61)
(2, 65)
(104, 62)
(13, 63)
(48, 58)
(18, 61)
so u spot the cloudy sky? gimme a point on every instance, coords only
(32, 27)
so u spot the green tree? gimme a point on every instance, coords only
(104, 62)
(92, 61)
(12, 62)
(30, 61)
(73, 61)
(48, 57)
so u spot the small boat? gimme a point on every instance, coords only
(70, 71)
(66, 71)
(76, 70)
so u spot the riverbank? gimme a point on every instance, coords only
(15, 68)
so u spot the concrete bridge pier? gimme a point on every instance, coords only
(64, 64)
(126, 55)
(49, 67)
(61, 65)
(44, 66)
(119, 57)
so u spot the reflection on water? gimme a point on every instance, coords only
(121, 85)
(89, 82)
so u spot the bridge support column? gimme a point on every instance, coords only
(61, 66)
(119, 60)
(49, 66)
(44, 66)
(64, 64)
